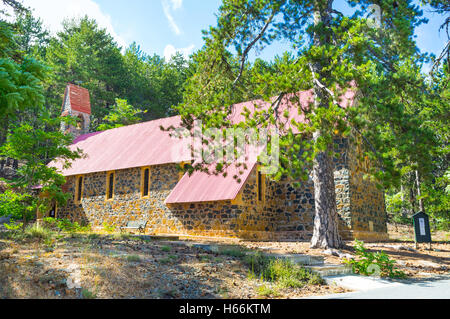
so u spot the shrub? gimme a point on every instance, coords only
(282, 271)
(265, 291)
(133, 258)
(86, 294)
(39, 232)
(14, 226)
(166, 248)
(233, 252)
(109, 228)
(65, 225)
(370, 263)
(16, 205)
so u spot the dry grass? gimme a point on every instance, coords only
(100, 266)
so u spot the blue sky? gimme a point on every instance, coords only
(166, 26)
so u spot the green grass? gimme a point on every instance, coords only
(86, 294)
(168, 260)
(283, 272)
(233, 252)
(133, 258)
(39, 232)
(205, 258)
(166, 248)
(266, 291)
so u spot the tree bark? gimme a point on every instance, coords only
(326, 234)
(419, 193)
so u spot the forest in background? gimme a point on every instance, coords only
(129, 86)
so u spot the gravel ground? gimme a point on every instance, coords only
(108, 267)
(100, 266)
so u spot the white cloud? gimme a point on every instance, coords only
(53, 12)
(170, 51)
(176, 4)
(172, 5)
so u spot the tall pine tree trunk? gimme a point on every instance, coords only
(326, 233)
(419, 193)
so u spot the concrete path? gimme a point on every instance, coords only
(373, 288)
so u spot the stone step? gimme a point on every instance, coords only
(160, 237)
(331, 270)
(305, 260)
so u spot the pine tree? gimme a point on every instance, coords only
(334, 53)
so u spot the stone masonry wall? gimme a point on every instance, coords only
(285, 213)
(243, 218)
(367, 203)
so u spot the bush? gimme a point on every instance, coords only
(166, 248)
(86, 294)
(16, 205)
(39, 232)
(397, 208)
(233, 252)
(265, 291)
(282, 271)
(109, 228)
(133, 258)
(14, 226)
(65, 225)
(370, 263)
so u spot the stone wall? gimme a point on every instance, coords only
(244, 217)
(367, 202)
(285, 213)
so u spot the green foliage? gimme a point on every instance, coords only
(133, 258)
(32, 231)
(20, 82)
(282, 271)
(377, 264)
(31, 36)
(65, 225)
(233, 252)
(86, 54)
(266, 291)
(397, 207)
(400, 121)
(39, 232)
(14, 226)
(35, 146)
(122, 114)
(87, 294)
(109, 228)
(166, 248)
(16, 205)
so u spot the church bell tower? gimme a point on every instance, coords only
(77, 104)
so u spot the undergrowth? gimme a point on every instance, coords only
(373, 264)
(283, 272)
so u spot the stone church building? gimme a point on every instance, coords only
(129, 173)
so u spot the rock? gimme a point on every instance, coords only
(337, 253)
(426, 263)
(5, 220)
(346, 256)
(404, 248)
(331, 252)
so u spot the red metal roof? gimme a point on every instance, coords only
(138, 145)
(79, 98)
(145, 144)
(204, 187)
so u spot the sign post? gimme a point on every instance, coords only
(422, 228)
